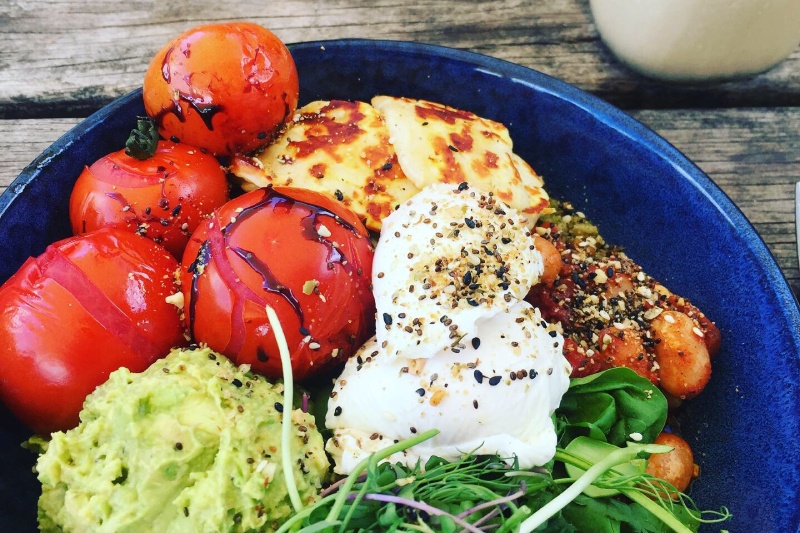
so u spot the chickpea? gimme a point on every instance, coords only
(681, 354)
(676, 466)
(551, 258)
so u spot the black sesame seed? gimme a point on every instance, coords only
(413, 429)
(610, 272)
(177, 210)
(147, 210)
(452, 148)
(472, 302)
(339, 195)
(494, 380)
(553, 333)
(467, 278)
(505, 240)
(421, 391)
(387, 319)
(261, 355)
(478, 376)
(337, 411)
(476, 342)
(470, 223)
(174, 139)
(532, 373)
(279, 407)
(236, 382)
(178, 446)
(463, 186)
(475, 404)
(387, 166)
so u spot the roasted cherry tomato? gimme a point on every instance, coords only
(164, 197)
(85, 307)
(228, 88)
(295, 250)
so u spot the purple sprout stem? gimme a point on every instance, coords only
(335, 486)
(305, 403)
(422, 506)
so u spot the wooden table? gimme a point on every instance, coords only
(60, 61)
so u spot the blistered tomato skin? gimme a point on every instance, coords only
(227, 88)
(292, 249)
(69, 317)
(163, 198)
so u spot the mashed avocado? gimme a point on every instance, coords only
(191, 444)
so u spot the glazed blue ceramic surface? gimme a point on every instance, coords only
(645, 195)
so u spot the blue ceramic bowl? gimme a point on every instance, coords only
(641, 191)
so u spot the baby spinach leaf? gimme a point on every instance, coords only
(609, 515)
(611, 406)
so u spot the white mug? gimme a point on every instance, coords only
(697, 40)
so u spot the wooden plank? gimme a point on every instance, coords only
(69, 58)
(753, 155)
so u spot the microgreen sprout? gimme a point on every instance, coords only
(286, 423)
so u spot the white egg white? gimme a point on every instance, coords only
(495, 395)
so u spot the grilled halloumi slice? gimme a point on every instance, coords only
(339, 148)
(436, 143)
(373, 158)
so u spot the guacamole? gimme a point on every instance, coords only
(191, 444)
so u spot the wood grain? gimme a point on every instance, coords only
(64, 58)
(752, 154)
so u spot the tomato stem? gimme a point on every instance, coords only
(143, 140)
